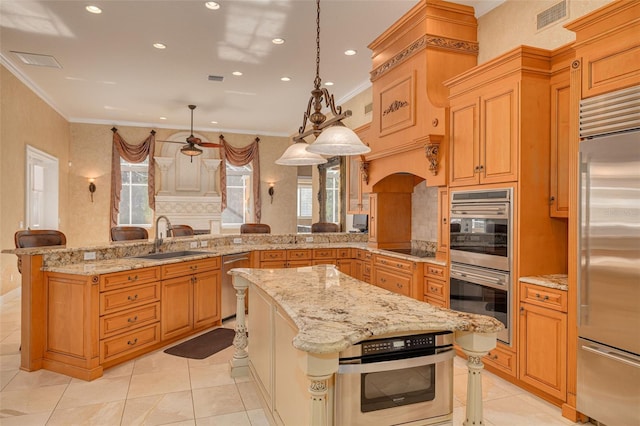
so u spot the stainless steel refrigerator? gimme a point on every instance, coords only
(609, 279)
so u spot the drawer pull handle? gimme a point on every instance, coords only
(383, 280)
(133, 298)
(398, 265)
(134, 319)
(132, 342)
(546, 297)
(193, 267)
(134, 278)
(398, 285)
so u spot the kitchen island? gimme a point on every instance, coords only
(302, 318)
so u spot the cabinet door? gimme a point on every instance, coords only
(464, 148)
(206, 301)
(177, 310)
(443, 220)
(559, 161)
(353, 185)
(542, 349)
(345, 266)
(499, 129)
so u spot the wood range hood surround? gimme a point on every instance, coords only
(431, 43)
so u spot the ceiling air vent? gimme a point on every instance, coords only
(216, 78)
(38, 60)
(551, 15)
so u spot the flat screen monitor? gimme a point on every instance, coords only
(361, 222)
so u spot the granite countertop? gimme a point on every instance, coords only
(557, 281)
(333, 311)
(123, 257)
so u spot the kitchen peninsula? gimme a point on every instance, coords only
(302, 318)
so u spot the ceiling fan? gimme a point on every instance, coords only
(190, 147)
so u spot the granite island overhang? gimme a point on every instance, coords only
(331, 311)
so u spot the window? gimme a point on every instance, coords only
(239, 196)
(305, 197)
(333, 195)
(134, 197)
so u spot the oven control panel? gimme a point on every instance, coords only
(401, 343)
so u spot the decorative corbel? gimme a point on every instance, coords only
(364, 171)
(432, 151)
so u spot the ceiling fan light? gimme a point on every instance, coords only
(338, 140)
(297, 155)
(190, 150)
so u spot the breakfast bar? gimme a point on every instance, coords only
(303, 318)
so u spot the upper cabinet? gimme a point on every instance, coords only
(432, 42)
(358, 177)
(499, 120)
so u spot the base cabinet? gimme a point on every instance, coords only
(542, 340)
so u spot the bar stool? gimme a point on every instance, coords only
(128, 233)
(181, 231)
(325, 227)
(255, 228)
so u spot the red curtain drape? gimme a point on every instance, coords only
(240, 157)
(133, 154)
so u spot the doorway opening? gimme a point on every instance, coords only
(42, 191)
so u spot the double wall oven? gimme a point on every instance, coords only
(481, 246)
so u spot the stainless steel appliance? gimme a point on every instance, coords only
(608, 376)
(228, 293)
(397, 380)
(480, 228)
(482, 291)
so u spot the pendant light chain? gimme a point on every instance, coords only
(317, 81)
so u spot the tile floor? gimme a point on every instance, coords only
(161, 389)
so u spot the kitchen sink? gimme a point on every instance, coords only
(170, 255)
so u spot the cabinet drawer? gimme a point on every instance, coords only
(324, 253)
(190, 267)
(299, 254)
(274, 264)
(128, 278)
(399, 264)
(131, 319)
(299, 263)
(504, 360)
(115, 347)
(134, 296)
(359, 254)
(392, 281)
(366, 268)
(434, 271)
(273, 255)
(434, 288)
(435, 301)
(543, 296)
(344, 253)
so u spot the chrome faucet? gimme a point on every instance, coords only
(158, 241)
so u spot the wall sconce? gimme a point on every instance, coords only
(271, 190)
(92, 188)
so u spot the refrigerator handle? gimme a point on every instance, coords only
(583, 242)
(615, 356)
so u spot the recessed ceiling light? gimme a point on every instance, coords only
(163, 118)
(214, 122)
(94, 9)
(236, 73)
(277, 41)
(159, 46)
(285, 79)
(329, 83)
(350, 52)
(212, 5)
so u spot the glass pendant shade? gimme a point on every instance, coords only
(297, 155)
(191, 150)
(338, 140)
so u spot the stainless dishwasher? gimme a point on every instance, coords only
(228, 296)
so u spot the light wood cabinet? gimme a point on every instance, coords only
(398, 275)
(189, 302)
(443, 221)
(357, 199)
(390, 219)
(435, 287)
(484, 139)
(542, 339)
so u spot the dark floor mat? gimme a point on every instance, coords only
(204, 345)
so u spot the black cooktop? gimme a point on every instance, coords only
(412, 252)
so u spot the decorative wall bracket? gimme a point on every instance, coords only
(432, 152)
(364, 171)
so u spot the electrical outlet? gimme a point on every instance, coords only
(89, 255)
(309, 239)
(193, 244)
(204, 243)
(237, 241)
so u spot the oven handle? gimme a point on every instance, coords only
(376, 367)
(494, 282)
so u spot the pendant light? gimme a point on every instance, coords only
(339, 140)
(297, 155)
